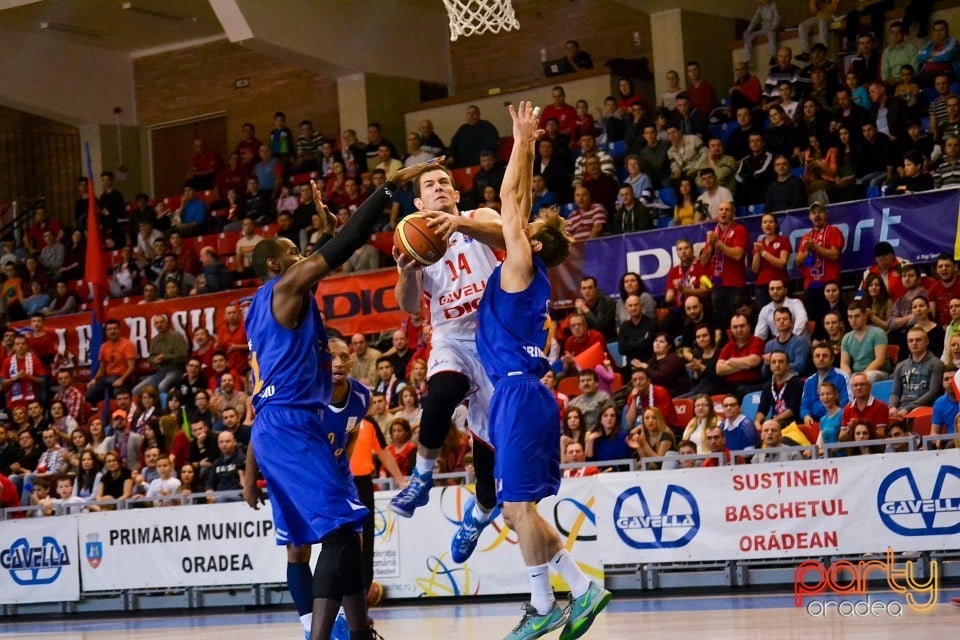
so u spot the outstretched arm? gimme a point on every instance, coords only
(515, 194)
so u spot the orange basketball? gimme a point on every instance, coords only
(417, 241)
(375, 594)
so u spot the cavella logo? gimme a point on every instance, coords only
(29, 565)
(641, 525)
(916, 505)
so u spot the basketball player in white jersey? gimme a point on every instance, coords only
(452, 288)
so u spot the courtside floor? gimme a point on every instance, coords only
(739, 617)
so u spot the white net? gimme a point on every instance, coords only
(473, 17)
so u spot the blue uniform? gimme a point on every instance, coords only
(512, 333)
(298, 439)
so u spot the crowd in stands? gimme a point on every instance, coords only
(728, 362)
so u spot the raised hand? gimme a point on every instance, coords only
(526, 125)
(402, 176)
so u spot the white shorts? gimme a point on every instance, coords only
(460, 356)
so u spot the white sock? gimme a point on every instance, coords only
(425, 466)
(541, 593)
(305, 620)
(564, 564)
(480, 514)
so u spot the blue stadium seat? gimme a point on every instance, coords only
(742, 212)
(927, 96)
(668, 197)
(755, 209)
(568, 208)
(617, 149)
(621, 174)
(664, 220)
(955, 88)
(881, 390)
(615, 356)
(925, 124)
(874, 192)
(718, 131)
(751, 404)
(797, 171)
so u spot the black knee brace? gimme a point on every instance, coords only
(338, 572)
(486, 488)
(445, 390)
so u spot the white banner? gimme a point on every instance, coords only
(217, 544)
(38, 560)
(905, 501)
(413, 555)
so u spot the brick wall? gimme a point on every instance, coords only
(604, 29)
(191, 82)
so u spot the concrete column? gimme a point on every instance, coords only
(352, 100)
(666, 30)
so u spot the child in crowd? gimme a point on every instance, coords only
(165, 484)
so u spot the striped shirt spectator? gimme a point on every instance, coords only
(588, 219)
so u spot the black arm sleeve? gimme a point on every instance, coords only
(357, 230)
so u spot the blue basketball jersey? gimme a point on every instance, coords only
(339, 421)
(290, 367)
(513, 329)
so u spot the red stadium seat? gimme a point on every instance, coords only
(617, 383)
(464, 176)
(570, 386)
(922, 420)
(812, 431)
(209, 196)
(173, 202)
(504, 149)
(684, 409)
(227, 243)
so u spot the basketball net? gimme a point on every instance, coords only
(473, 17)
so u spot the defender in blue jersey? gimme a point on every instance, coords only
(299, 448)
(512, 333)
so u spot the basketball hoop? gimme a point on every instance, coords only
(473, 17)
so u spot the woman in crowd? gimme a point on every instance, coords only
(631, 284)
(99, 441)
(668, 99)
(201, 409)
(409, 408)
(781, 136)
(818, 172)
(666, 368)
(116, 482)
(843, 166)
(951, 356)
(924, 319)
(830, 422)
(701, 363)
(859, 431)
(626, 96)
(810, 122)
(606, 440)
(147, 409)
(78, 441)
(403, 448)
(573, 430)
(652, 438)
(684, 211)
(584, 125)
(418, 376)
(637, 179)
(878, 300)
(190, 485)
(86, 484)
(75, 258)
(171, 426)
(771, 253)
(60, 419)
(703, 418)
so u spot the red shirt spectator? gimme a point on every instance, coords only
(874, 411)
(42, 223)
(645, 394)
(702, 95)
(42, 343)
(729, 236)
(774, 247)
(9, 496)
(946, 286)
(22, 374)
(563, 113)
(232, 339)
(582, 338)
(743, 345)
(818, 256)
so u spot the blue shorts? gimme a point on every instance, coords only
(311, 489)
(526, 440)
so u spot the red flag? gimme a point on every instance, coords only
(96, 271)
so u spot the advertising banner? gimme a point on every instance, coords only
(218, 544)
(413, 555)
(862, 504)
(38, 560)
(918, 226)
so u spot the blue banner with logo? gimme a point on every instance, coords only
(39, 560)
(918, 226)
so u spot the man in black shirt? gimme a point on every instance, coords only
(226, 474)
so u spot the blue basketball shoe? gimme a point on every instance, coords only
(416, 494)
(465, 539)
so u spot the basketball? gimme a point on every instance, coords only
(414, 239)
(375, 594)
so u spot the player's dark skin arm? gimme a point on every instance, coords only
(295, 286)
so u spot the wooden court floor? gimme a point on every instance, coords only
(766, 617)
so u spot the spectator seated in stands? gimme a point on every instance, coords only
(216, 275)
(652, 438)
(811, 408)
(553, 167)
(638, 181)
(787, 191)
(745, 92)
(602, 187)
(704, 417)
(701, 363)
(631, 215)
(863, 406)
(473, 137)
(754, 172)
(573, 453)
(912, 177)
(772, 438)
(686, 152)
(797, 347)
(652, 152)
(741, 358)
(945, 408)
(580, 339)
(765, 21)
(689, 120)
(766, 322)
(713, 194)
(724, 166)
(917, 380)
(563, 113)
(739, 432)
(780, 400)
(190, 218)
(22, 375)
(864, 347)
(591, 400)
(666, 368)
(607, 440)
(783, 71)
(644, 394)
(635, 338)
(588, 219)
(164, 485)
(542, 197)
(388, 383)
(939, 56)
(717, 443)
(597, 307)
(875, 157)
(227, 471)
(947, 171)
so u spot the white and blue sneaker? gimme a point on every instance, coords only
(416, 494)
(341, 630)
(465, 539)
